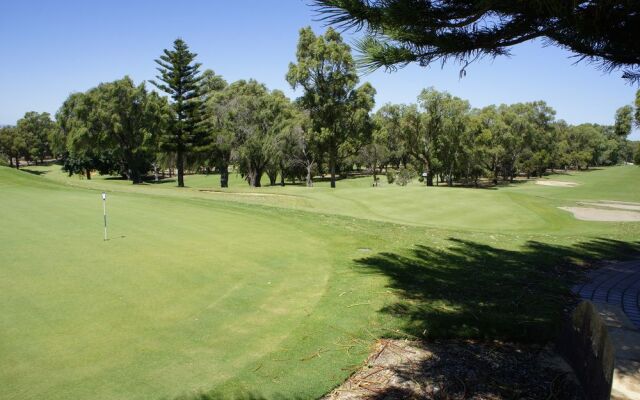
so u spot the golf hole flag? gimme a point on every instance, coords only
(104, 213)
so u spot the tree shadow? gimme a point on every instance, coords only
(452, 369)
(32, 172)
(239, 396)
(473, 290)
(152, 181)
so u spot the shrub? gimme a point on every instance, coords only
(404, 176)
(391, 177)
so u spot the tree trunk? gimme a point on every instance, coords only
(282, 178)
(88, 174)
(10, 162)
(273, 177)
(155, 172)
(17, 163)
(135, 176)
(224, 176)
(332, 168)
(429, 177)
(309, 177)
(254, 178)
(180, 167)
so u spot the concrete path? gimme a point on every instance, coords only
(617, 284)
(615, 291)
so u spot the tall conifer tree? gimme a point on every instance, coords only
(179, 78)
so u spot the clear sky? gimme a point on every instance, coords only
(50, 49)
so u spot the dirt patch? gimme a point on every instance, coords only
(599, 214)
(621, 205)
(556, 183)
(399, 369)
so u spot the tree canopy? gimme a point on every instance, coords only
(399, 32)
(113, 128)
(325, 70)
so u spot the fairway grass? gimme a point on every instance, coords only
(238, 292)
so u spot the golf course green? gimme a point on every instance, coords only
(275, 291)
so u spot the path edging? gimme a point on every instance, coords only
(603, 347)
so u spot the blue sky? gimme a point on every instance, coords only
(51, 49)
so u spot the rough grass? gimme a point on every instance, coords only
(240, 294)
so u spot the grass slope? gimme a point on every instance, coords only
(276, 291)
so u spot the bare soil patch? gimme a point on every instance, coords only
(556, 183)
(400, 369)
(604, 215)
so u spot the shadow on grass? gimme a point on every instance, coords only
(152, 181)
(476, 291)
(244, 396)
(32, 172)
(571, 172)
(473, 290)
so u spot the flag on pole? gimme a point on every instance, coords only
(104, 209)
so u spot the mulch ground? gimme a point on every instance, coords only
(401, 369)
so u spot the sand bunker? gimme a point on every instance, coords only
(556, 183)
(621, 205)
(599, 214)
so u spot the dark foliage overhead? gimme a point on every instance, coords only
(604, 32)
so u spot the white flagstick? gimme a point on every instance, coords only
(104, 208)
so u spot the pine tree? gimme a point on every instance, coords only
(398, 32)
(179, 78)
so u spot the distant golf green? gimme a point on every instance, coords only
(274, 291)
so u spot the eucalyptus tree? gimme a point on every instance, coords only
(118, 119)
(244, 121)
(357, 122)
(261, 116)
(38, 129)
(291, 156)
(375, 154)
(83, 152)
(180, 79)
(450, 149)
(388, 125)
(219, 122)
(423, 128)
(623, 121)
(304, 148)
(326, 72)
(537, 137)
(211, 83)
(491, 132)
(12, 145)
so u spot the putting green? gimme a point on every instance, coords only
(183, 296)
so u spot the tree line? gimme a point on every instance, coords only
(197, 121)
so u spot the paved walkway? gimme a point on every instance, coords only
(617, 284)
